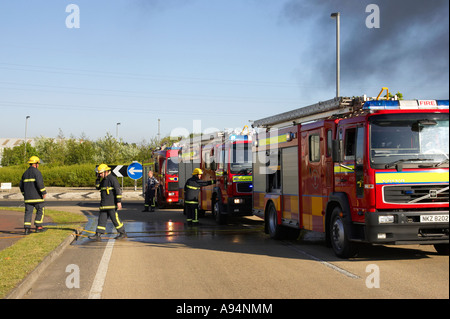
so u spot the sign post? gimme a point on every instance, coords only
(119, 171)
(134, 171)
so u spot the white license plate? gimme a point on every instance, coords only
(434, 218)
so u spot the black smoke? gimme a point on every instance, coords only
(410, 50)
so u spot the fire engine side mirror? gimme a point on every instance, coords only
(213, 165)
(336, 151)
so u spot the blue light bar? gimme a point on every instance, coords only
(405, 104)
(238, 137)
(381, 105)
(442, 102)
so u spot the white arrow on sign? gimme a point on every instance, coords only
(134, 170)
(116, 170)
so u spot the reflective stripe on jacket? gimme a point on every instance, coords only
(192, 189)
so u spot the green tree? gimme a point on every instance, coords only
(79, 151)
(107, 150)
(63, 151)
(52, 151)
(16, 155)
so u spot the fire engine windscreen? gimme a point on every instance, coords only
(415, 140)
(241, 159)
(172, 165)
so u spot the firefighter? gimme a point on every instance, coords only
(34, 193)
(191, 191)
(150, 192)
(110, 202)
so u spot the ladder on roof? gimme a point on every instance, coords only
(321, 110)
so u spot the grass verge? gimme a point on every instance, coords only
(18, 260)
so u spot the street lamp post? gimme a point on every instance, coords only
(117, 131)
(336, 16)
(25, 142)
(159, 130)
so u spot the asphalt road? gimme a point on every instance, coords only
(165, 259)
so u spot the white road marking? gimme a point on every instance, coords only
(323, 262)
(99, 280)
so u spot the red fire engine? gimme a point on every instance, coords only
(226, 158)
(166, 172)
(358, 170)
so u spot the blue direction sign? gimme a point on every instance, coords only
(134, 170)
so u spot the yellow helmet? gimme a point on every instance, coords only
(102, 168)
(197, 171)
(34, 160)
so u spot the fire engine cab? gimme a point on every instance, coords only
(166, 172)
(360, 170)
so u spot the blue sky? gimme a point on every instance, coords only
(219, 62)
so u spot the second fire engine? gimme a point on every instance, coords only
(226, 158)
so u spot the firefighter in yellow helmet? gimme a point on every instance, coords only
(191, 191)
(34, 193)
(110, 202)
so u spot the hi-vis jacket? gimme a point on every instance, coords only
(192, 189)
(32, 186)
(110, 192)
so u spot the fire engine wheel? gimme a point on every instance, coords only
(221, 219)
(275, 230)
(442, 249)
(342, 246)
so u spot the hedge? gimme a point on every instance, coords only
(79, 175)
